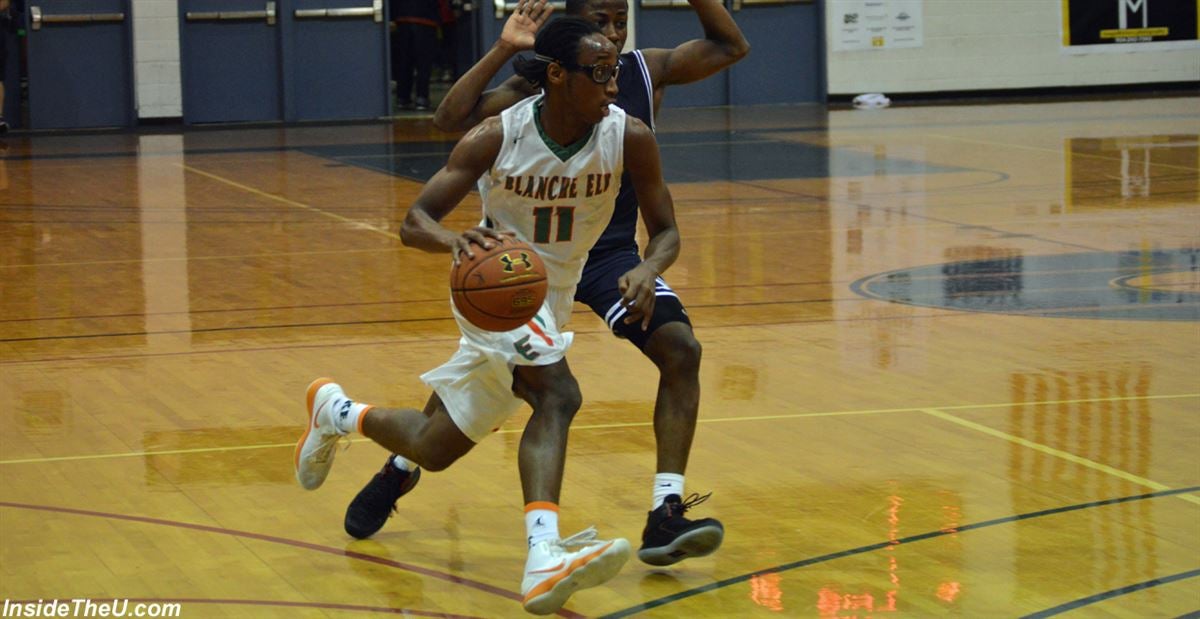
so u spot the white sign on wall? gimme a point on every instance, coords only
(875, 24)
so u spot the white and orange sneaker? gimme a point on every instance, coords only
(553, 571)
(317, 446)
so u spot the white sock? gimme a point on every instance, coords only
(346, 414)
(541, 522)
(402, 464)
(666, 484)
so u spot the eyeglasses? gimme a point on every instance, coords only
(600, 73)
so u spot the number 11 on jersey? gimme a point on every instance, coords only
(543, 220)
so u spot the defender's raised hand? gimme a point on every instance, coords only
(522, 26)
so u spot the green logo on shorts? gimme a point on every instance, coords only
(525, 349)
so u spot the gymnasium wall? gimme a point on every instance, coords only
(156, 58)
(995, 44)
(968, 45)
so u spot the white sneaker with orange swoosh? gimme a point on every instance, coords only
(315, 449)
(553, 571)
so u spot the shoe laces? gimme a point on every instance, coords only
(558, 547)
(582, 538)
(691, 501)
(322, 454)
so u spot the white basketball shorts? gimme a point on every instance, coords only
(476, 383)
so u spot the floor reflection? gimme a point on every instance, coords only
(1132, 171)
(1101, 415)
(1102, 285)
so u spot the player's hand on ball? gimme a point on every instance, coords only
(502, 287)
(637, 294)
(486, 238)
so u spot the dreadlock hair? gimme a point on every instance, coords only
(559, 40)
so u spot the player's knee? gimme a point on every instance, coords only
(563, 399)
(675, 350)
(552, 390)
(555, 403)
(684, 358)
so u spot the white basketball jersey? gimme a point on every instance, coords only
(558, 207)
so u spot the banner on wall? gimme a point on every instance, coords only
(1129, 25)
(875, 24)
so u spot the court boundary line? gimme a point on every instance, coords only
(282, 254)
(1112, 593)
(362, 225)
(133, 152)
(600, 329)
(441, 299)
(1069, 312)
(847, 202)
(833, 283)
(273, 539)
(1057, 453)
(631, 424)
(662, 601)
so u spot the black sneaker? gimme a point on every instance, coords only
(670, 538)
(374, 504)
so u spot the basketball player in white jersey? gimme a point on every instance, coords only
(548, 170)
(667, 338)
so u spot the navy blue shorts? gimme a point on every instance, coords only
(598, 290)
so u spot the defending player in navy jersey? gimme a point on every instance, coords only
(664, 334)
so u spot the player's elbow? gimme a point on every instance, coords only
(406, 235)
(444, 122)
(739, 49)
(409, 230)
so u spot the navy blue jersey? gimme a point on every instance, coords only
(616, 252)
(635, 97)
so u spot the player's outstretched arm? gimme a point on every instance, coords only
(470, 159)
(466, 103)
(658, 212)
(723, 44)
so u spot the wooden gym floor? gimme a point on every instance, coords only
(949, 370)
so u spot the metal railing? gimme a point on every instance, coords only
(268, 14)
(375, 11)
(38, 18)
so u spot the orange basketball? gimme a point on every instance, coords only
(500, 288)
